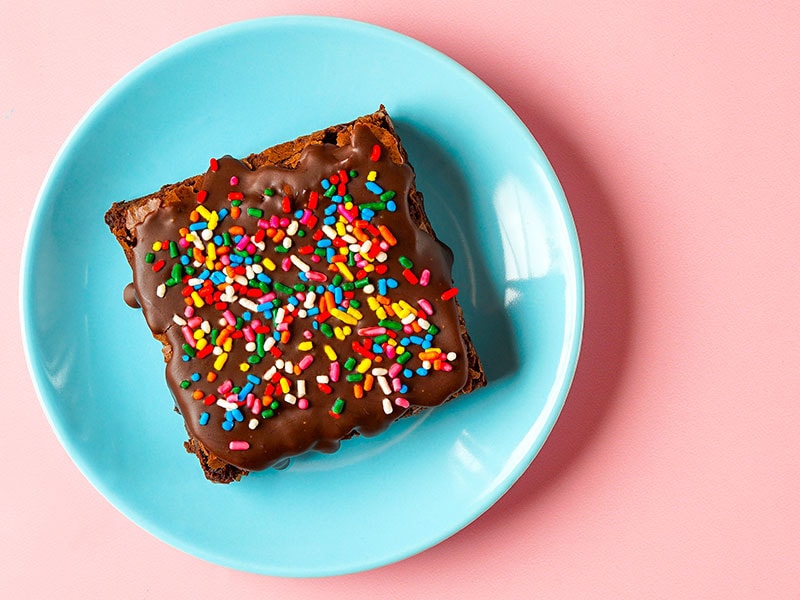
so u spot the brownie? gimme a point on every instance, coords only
(301, 297)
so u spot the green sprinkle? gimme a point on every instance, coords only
(373, 205)
(185, 383)
(214, 334)
(267, 414)
(189, 350)
(404, 357)
(348, 286)
(354, 377)
(255, 212)
(300, 233)
(326, 330)
(177, 271)
(355, 303)
(269, 192)
(239, 322)
(405, 262)
(350, 363)
(433, 329)
(274, 405)
(337, 279)
(171, 282)
(381, 339)
(331, 191)
(299, 287)
(353, 174)
(389, 324)
(320, 252)
(260, 339)
(173, 250)
(149, 258)
(387, 195)
(189, 270)
(236, 202)
(281, 250)
(361, 283)
(338, 406)
(226, 239)
(283, 289)
(253, 359)
(347, 198)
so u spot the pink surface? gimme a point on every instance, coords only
(674, 470)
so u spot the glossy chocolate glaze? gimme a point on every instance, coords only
(292, 431)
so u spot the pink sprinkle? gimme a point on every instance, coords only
(239, 445)
(425, 305)
(286, 264)
(395, 369)
(188, 335)
(225, 260)
(307, 334)
(263, 224)
(315, 275)
(402, 402)
(188, 311)
(194, 322)
(283, 326)
(284, 222)
(447, 367)
(371, 331)
(390, 351)
(302, 404)
(251, 248)
(315, 258)
(274, 222)
(256, 408)
(306, 361)
(228, 315)
(232, 398)
(226, 387)
(345, 213)
(397, 385)
(408, 329)
(249, 400)
(335, 370)
(234, 180)
(249, 335)
(306, 214)
(183, 243)
(425, 278)
(243, 242)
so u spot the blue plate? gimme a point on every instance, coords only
(491, 195)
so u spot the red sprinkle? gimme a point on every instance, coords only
(287, 204)
(201, 196)
(214, 164)
(447, 294)
(376, 153)
(312, 200)
(411, 278)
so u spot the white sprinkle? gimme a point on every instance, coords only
(198, 243)
(279, 363)
(299, 263)
(248, 304)
(288, 367)
(269, 343)
(241, 280)
(302, 314)
(384, 385)
(250, 346)
(350, 239)
(206, 234)
(408, 319)
(378, 371)
(227, 405)
(253, 423)
(206, 327)
(366, 246)
(178, 320)
(424, 323)
(426, 364)
(287, 242)
(257, 268)
(387, 406)
(194, 281)
(382, 257)
(217, 350)
(290, 398)
(311, 297)
(451, 356)
(322, 379)
(279, 315)
(292, 228)
(329, 231)
(161, 290)
(301, 387)
(270, 372)
(369, 289)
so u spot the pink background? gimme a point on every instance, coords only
(674, 470)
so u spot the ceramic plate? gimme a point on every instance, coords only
(492, 197)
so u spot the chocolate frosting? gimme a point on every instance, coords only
(251, 410)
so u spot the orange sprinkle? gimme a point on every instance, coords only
(358, 391)
(211, 377)
(236, 229)
(368, 381)
(387, 235)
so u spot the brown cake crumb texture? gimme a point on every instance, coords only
(123, 218)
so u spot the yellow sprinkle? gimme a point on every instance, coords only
(268, 264)
(340, 228)
(156, 246)
(285, 387)
(347, 330)
(305, 346)
(342, 316)
(372, 302)
(211, 251)
(369, 268)
(189, 237)
(399, 310)
(354, 313)
(244, 367)
(401, 349)
(228, 345)
(364, 365)
(345, 271)
(213, 221)
(198, 301)
(198, 333)
(220, 361)
(337, 331)
(201, 343)
(372, 175)
(408, 307)
(381, 313)
(204, 212)
(331, 353)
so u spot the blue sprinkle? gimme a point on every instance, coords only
(382, 286)
(329, 220)
(330, 209)
(376, 348)
(330, 253)
(428, 337)
(218, 277)
(264, 308)
(325, 184)
(227, 425)
(338, 295)
(405, 341)
(415, 339)
(314, 324)
(237, 414)
(218, 240)
(184, 260)
(298, 214)
(293, 300)
(195, 376)
(337, 199)
(277, 336)
(312, 311)
(186, 358)
(255, 380)
(223, 213)
(426, 344)
(248, 387)
(264, 278)
(205, 273)
(324, 243)
(403, 388)
(302, 276)
(367, 213)
(407, 373)
(204, 417)
(199, 226)
(391, 282)
(422, 372)
(228, 416)
(391, 206)
(374, 188)
(248, 260)
(320, 289)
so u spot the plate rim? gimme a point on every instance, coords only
(573, 335)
